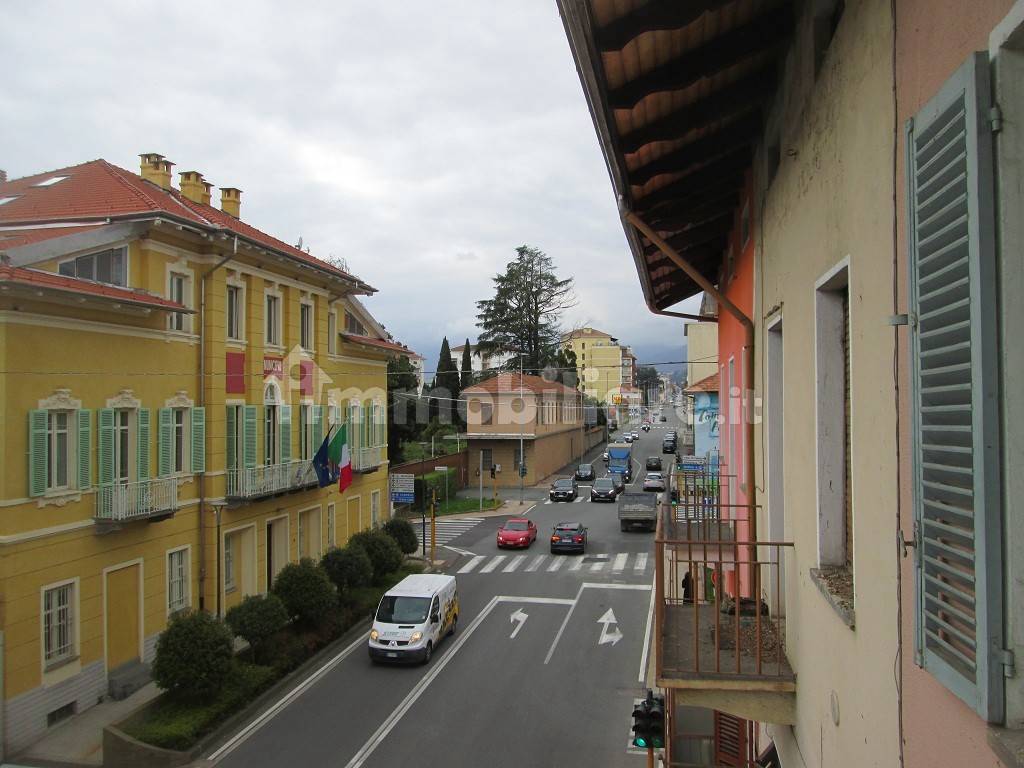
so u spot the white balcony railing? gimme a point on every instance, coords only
(141, 499)
(268, 479)
(367, 458)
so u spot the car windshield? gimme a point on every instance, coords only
(653, 476)
(398, 609)
(585, 467)
(515, 525)
(604, 484)
(563, 483)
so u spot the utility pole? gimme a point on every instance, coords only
(481, 481)
(522, 406)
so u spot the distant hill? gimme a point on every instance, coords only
(664, 356)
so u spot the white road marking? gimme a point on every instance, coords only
(494, 563)
(599, 565)
(535, 563)
(514, 563)
(284, 701)
(548, 501)
(517, 616)
(463, 552)
(556, 563)
(647, 636)
(580, 499)
(606, 621)
(641, 562)
(620, 561)
(561, 629)
(472, 564)
(577, 563)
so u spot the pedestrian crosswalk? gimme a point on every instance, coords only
(446, 530)
(634, 563)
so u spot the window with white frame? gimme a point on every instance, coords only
(59, 623)
(178, 593)
(179, 419)
(176, 293)
(306, 326)
(122, 445)
(58, 450)
(108, 266)
(234, 311)
(272, 317)
(229, 563)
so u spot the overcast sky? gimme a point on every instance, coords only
(422, 142)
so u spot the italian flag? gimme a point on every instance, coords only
(338, 454)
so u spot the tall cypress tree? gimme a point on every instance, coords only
(446, 380)
(466, 379)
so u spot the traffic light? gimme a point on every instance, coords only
(649, 722)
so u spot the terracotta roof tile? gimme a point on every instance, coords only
(509, 382)
(40, 279)
(15, 238)
(710, 384)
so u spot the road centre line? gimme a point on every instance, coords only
(284, 701)
(392, 720)
(647, 635)
(561, 629)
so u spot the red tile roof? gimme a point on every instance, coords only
(100, 190)
(36, 278)
(710, 384)
(510, 382)
(15, 238)
(382, 343)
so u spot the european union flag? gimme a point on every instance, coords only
(326, 472)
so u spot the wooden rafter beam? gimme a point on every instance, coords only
(735, 135)
(702, 234)
(762, 34)
(658, 14)
(696, 181)
(682, 215)
(749, 93)
(697, 254)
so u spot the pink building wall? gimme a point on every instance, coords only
(933, 38)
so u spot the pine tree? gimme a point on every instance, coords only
(466, 378)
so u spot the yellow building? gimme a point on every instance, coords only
(168, 372)
(604, 366)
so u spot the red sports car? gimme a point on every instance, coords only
(517, 532)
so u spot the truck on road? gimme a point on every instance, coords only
(620, 460)
(638, 510)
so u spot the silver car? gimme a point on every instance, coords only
(653, 481)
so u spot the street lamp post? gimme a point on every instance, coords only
(522, 408)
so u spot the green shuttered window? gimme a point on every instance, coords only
(230, 434)
(954, 390)
(105, 453)
(84, 448)
(37, 464)
(166, 440)
(142, 444)
(250, 417)
(198, 439)
(285, 425)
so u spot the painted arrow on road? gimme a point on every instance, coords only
(606, 621)
(521, 618)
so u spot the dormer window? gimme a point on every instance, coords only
(108, 266)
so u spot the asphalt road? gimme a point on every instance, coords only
(553, 689)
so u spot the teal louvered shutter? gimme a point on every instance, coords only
(37, 465)
(165, 419)
(198, 439)
(105, 446)
(285, 432)
(954, 391)
(230, 435)
(316, 412)
(143, 444)
(84, 448)
(249, 450)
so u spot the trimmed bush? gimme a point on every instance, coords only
(384, 552)
(256, 618)
(403, 534)
(305, 590)
(348, 568)
(193, 655)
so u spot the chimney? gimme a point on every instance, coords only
(231, 201)
(192, 185)
(3, 176)
(157, 169)
(207, 189)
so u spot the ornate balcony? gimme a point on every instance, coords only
(141, 500)
(265, 480)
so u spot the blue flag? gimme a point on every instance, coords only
(326, 472)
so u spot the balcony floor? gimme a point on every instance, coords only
(678, 661)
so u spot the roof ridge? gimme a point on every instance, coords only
(117, 172)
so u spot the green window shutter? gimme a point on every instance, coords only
(105, 446)
(316, 412)
(142, 445)
(230, 432)
(250, 417)
(954, 391)
(198, 439)
(84, 448)
(37, 468)
(166, 427)
(285, 432)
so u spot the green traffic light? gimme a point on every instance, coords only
(640, 742)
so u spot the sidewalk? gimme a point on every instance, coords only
(79, 740)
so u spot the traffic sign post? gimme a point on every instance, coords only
(403, 488)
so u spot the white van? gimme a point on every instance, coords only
(413, 617)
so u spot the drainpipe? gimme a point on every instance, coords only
(748, 340)
(202, 403)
